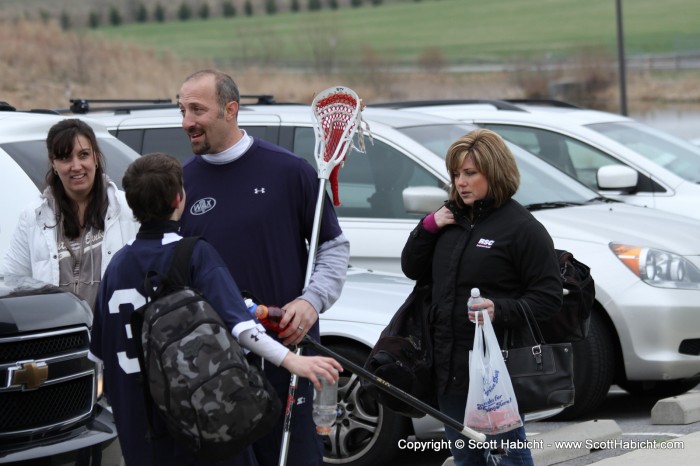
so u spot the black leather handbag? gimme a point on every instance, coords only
(542, 374)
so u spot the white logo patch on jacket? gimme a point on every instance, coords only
(485, 243)
(202, 206)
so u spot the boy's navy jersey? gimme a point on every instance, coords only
(256, 213)
(121, 292)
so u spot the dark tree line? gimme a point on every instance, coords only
(200, 9)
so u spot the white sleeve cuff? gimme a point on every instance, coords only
(256, 340)
(243, 326)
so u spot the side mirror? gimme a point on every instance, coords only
(423, 199)
(617, 177)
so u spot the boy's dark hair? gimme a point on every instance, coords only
(59, 143)
(151, 183)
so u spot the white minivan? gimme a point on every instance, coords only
(615, 155)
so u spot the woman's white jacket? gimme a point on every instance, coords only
(33, 249)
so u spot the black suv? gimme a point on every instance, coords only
(50, 389)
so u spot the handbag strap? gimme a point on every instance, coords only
(535, 331)
(532, 326)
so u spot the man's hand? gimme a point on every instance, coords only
(299, 317)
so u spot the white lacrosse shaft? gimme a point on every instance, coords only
(336, 113)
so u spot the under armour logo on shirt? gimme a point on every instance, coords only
(255, 335)
(259, 190)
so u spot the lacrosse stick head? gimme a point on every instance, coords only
(337, 118)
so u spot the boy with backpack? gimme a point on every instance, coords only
(154, 191)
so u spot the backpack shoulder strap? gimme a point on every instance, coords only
(178, 274)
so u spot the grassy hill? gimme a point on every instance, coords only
(358, 47)
(454, 31)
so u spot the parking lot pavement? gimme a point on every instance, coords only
(111, 456)
(683, 409)
(682, 450)
(548, 448)
(685, 449)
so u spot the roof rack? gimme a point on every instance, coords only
(83, 106)
(543, 102)
(260, 99)
(499, 104)
(5, 107)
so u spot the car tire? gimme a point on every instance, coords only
(659, 388)
(594, 369)
(365, 433)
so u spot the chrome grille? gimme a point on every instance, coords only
(47, 406)
(42, 346)
(65, 398)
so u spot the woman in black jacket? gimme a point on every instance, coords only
(481, 238)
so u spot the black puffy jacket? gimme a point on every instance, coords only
(506, 253)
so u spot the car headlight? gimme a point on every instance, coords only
(658, 268)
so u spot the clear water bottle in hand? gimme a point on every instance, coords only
(325, 407)
(474, 298)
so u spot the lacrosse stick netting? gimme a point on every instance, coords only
(337, 117)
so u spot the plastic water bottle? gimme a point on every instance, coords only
(269, 316)
(474, 298)
(325, 409)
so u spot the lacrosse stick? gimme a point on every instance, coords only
(337, 118)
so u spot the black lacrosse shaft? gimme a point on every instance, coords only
(394, 391)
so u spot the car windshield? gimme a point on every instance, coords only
(672, 153)
(31, 156)
(541, 185)
(436, 138)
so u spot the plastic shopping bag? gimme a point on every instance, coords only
(491, 404)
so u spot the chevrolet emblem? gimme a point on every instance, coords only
(31, 375)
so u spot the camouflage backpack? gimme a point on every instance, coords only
(212, 399)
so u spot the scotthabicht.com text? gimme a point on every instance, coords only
(438, 445)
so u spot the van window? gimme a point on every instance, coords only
(32, 157)
(573, 157)
(371, 185)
